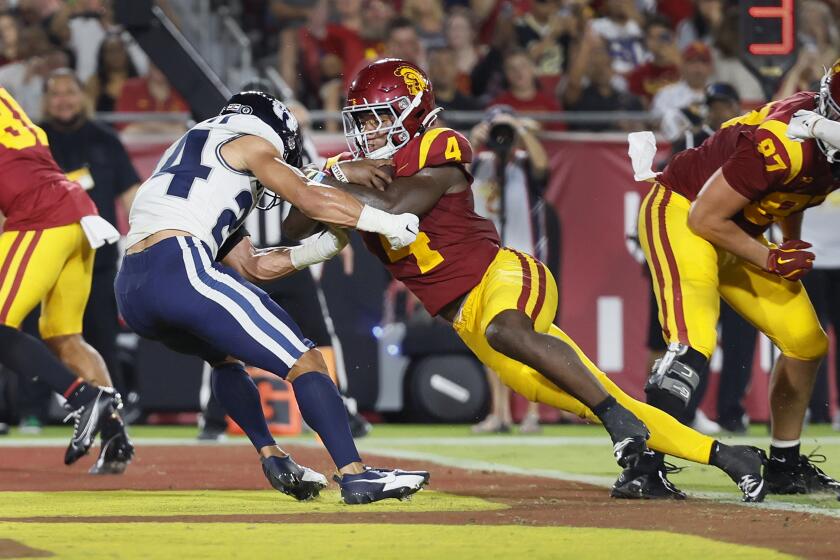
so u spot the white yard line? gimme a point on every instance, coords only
(381, 446)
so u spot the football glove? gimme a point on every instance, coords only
(801, 126)
(790, 260)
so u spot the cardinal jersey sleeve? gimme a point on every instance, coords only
(438, 146)
(764, 159)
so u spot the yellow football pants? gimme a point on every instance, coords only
(691, 275)
(518, 281)
(53, 267)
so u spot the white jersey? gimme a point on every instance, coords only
(193, 189)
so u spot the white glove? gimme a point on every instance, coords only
(329, 244)
(400, 229)
(802, 125)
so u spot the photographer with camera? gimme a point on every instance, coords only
(510, 173)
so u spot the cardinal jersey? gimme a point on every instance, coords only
(778, 175)
(34, 193)
(455, 245)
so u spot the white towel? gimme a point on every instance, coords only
(642, 150)
(99, 231)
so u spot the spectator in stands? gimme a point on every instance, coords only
(402, 41)
(546, 33)
(91, 153)
(113, 68)
(523, 92)
(511, 174)
(708, 15)
(621, 30)
(592, 86)
(443, 71)
(460, 38)
(290, 16)
(24, 79)
(9, 32)
(487, 77)
(151, 93)
(823, 285)
(671, 102)
(662, 68)
(819, 40)
(726, 60)
(428, 18)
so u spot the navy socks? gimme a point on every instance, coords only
(239, 396)
(322, 408)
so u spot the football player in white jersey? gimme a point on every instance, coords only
(171, 289)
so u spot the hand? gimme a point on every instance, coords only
(404, 230)
(790, 260)
(802, 125)
(479, 133)
(368, 172)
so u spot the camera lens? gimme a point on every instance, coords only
(501, 137)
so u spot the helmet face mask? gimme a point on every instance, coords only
(390, 99)
(388, 124)
(828, 105)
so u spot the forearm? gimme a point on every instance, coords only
(726, 234)
(269, 264)
(791, 226)
(536, 152)
(298, 226)
(329, 205)
(366, 195)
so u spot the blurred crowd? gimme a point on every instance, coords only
(532, 55)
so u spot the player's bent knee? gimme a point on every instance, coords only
(810, 349)
(508, 330)
(311, 360)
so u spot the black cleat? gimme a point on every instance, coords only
(302, 483)
(117, 449)
(88, 420)
(803, 477)
(743, 463)
(380, 484)
(629, 434)
(647, 480)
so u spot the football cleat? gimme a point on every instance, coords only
(743, 463)
(117, 449)
(647, 480)
(803, 477)
(380, 484)
(88, 421)
(302, 483)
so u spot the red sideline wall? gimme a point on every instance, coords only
(603, 290)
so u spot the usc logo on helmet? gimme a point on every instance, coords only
(414, 81)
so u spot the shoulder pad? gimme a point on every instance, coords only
(782, 156)
(441, 146)
(245, 124)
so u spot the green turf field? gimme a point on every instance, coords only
(561, 451)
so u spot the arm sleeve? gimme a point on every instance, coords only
(749, 171)
(231, 242)
(445, 147)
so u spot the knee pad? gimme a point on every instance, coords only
(673, 377)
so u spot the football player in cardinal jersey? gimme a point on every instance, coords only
(702, 229)
(47, 247)
(502, 303)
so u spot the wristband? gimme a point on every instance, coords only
(315, 176)
(328, 245)
(338, 173)
(374, 220)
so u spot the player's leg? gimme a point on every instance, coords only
(508, 314)
(683, 267)
(31, 264)
(60, 324)
(241, 320)
(667, 434)
(782, 310)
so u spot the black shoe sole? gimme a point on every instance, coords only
(357, 498)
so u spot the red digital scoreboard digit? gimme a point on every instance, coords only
(785, 13)
(768, 40)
